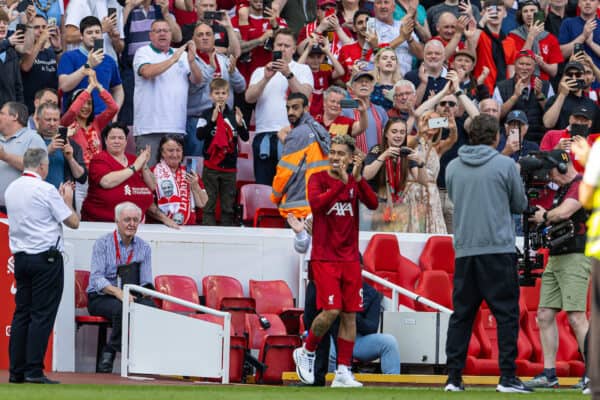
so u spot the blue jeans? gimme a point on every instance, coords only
(372, 347)
(192, 146)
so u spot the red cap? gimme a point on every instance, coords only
(525, 53)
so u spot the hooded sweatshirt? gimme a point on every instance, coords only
(486, 190)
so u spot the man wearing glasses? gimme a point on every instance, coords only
(158, 68)
(570, 96)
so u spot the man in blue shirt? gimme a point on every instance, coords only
(112, 251)
(72, 65)
(583, 29)
(66, 158)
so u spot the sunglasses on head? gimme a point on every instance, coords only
(448, 103)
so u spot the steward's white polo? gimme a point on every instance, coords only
(35, 214)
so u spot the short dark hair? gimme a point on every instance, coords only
(157, 21)
(218, 83)
(519, 13)
(285, 31)
(176, 138)
(484, 130)
(360, 12)
(40, 93)
(18, 109)
(298, 95)
(88, 22)
(111, 126)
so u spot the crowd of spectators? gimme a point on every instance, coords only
(197, 77)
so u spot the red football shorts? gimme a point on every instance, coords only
(338, 284)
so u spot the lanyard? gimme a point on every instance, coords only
(29, 174)
(118, 252)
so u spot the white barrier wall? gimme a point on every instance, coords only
(244, 253)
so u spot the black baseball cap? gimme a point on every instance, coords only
(574, 65)
(583, 111)
(517, 115)
(558, 156)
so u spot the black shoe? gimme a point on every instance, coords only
(41, 380)
(16, 379)
(512, 384)
(106, 363)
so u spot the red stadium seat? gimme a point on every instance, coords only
(275, 347)
(182, 287)
(252, 197)
(275, 297)
(382, 257)
(269, 218)
(438, 254)
(226, 293)
(435, 286)
(531, 295)
(237, 349)
(82, 279)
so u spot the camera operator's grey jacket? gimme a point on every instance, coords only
(486, 190)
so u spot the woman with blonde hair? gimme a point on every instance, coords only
(424, 204)
(387, 73)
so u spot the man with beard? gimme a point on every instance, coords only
(305, 150)
(362, 49)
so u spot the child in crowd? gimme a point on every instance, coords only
(220, 127)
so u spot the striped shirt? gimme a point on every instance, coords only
(104, 261)
(137, 30)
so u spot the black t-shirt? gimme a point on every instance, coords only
(375, 152)
(435, 84)
(571, 102)
(221, 38)
(41, 75)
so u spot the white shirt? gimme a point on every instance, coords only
(592, 168)
(271, 114)
(35, 213)
(79, 9)
(160, 103)
(386, 33)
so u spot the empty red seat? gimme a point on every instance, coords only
(435, 286)
(252, 197)
(82, 279)
(438, 254)
(269, 218)
(275, 347)
(382, 257)
(275, 297)
(182, 287)
(226, 293)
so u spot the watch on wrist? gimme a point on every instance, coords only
(290, 76)
(545, 216)
(132, 168)
(459, 93)
(86, 65)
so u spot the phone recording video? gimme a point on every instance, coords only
(578, 48)
(579, 130)
(441, 122)
(539, 16)
(98, 44)
(213, 15)
(190, 165)
(21, 28)
(111, 11)
(22, 7)
(349, 103)
(62, 133)
(277, 55)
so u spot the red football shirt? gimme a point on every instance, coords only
(551, 139)
(549, 50)
(349, 54)
(334, 207)
(322, 80)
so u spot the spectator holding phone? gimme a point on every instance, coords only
(464, 63)
(514, 144)
(458, 8)
(11, 85)
(582, 31)
(38, 67)
(362, 50)
(220, 127)
(334, 101)
(531, 35)
(327, 24)
(268, 88)
(525, 91)
(64, 154)
(315, 55)
(72, 66)
(212, 64)
(570, 96)
(390, 168)
(179, 191)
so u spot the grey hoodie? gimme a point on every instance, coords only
(486, 190)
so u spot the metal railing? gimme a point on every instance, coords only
(154, 294)
(396, 290)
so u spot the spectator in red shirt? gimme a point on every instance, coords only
(315, 56)
(334, 195)
(450, 32)
(530, 35)
(580, 123)
(328, 24)
(362, 49)
(332, 118)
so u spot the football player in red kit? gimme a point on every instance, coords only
(333, 196)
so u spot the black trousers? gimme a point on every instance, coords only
(493, 278)
(111, 308)
(264, 169)
(39, 289)
(322, 352)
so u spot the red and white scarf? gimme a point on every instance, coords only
(179, 203)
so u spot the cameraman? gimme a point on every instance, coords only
(566, 277)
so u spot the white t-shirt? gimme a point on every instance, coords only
(592, 168)
(271, 114)
(79, 9)
(386, 33)
(35, 213)
(160, 104)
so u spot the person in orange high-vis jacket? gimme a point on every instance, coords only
(305, 152)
